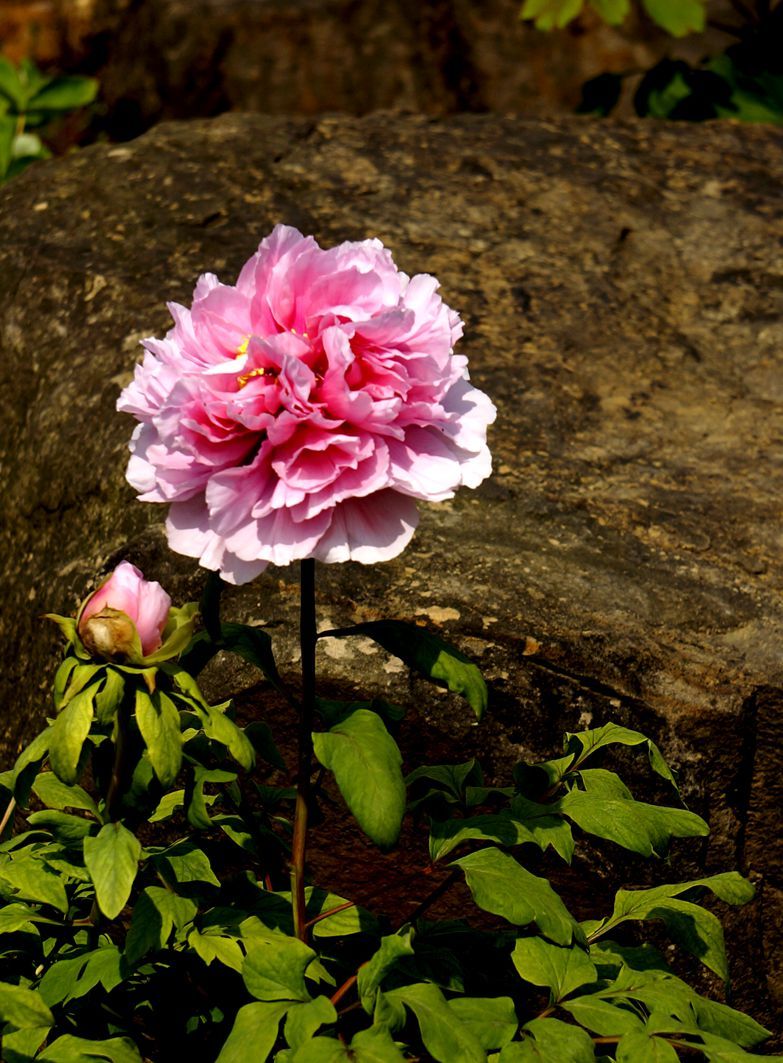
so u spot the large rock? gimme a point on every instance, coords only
(623, 296)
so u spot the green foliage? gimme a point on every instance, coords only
(30, 99)
(677, 17)
(145, 910)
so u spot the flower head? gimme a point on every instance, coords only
(302, 411)
(124, 606)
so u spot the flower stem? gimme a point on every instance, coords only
(307, 639)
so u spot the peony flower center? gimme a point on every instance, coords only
(258, 371)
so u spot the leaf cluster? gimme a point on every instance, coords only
(145, 910)
(677, 17)
(30, 100)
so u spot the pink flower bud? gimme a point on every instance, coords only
(125, 605)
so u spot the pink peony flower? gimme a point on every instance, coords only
(302, 411)
(143, 602)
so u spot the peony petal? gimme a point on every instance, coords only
(370, 529)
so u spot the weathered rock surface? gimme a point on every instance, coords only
(185, 58)
(623, 295)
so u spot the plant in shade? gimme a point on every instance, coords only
(156, 901)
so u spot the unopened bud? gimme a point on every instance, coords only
(109, 635)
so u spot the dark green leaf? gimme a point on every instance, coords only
(69, 1049)
(429, 655)
(343, 923)
(68, 734)
(560, 969)
(365, 761)
(392, 949)
(642, 828)
(109, 697)
(639, 1046)
(254, 1032)
(304, 1020)
(56, 794)
(602, 1016)
(547, 826)
(677, 17)
(64, 93)
(66, 828)
(275, 965)
(446, 1038)
(112, 858)
(612, 11)
(158, 721)
(23, 1008)
(492, 1020)
(11, 88)
(502, 886)
(550, 14)
(20, 917)
(584, 743)
(220, 728)
(184, 863)
(263, 743)
(30, 879)
(495, 827)
(156, 914)
(724, 1021)
(548, 1040)
(220, 947)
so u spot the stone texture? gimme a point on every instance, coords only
(623, 296)
(184, 58)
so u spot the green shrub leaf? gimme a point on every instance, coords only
(640, 1046)
(427, 654)
(68, 735)
(275, 964)
(560, 969)
(642, 828)
(254, 1032)
(23, 1008)
(56, 794)
(156, 914)
(492, 1020)
(445, 1037)
(112, 858)
(159, 723)
(502, 886)
(550, 14)
(70, 1049)
(548, 1040)
(365, 761)
(677, 17)
(392, 949)
(583, 744)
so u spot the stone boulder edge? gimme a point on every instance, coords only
(623, 298)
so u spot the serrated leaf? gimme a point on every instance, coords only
(391, 950)
(55, 794)
(112, 858)
(68, 735)
(492, 1020)
(502, 886)
(23, 1008)
(677, 17)
(156, 914)
(254, 1032)
(159, 724)
(446, 1038)
(275, 965)
(429, 655)
(366, 764)
(639, 827)
(562, 970)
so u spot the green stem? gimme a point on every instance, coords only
(307, 638)
(117, 781)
